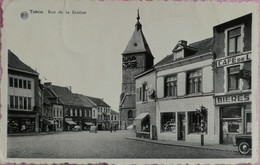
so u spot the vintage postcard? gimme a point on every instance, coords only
(129, 82)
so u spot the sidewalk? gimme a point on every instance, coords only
(188, 144)
(33, 133)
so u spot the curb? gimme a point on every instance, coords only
(180, 145)
(33, 134)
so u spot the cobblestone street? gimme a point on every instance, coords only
(102, 145)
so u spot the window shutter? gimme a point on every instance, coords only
(160, 87)
(137, 94)
(141, 93)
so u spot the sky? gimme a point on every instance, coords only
(84, 50)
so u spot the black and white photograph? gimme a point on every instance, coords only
(129, 82)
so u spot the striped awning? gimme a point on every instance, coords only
(89, 123)
(141, 116)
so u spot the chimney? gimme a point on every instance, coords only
(183, 42)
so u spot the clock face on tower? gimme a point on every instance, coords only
(129, 61)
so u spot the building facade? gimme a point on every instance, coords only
(185, 84)
(136, 58)
(23, 96)
(232, 77)
(103, 112)
(114, 120)
(145, 119)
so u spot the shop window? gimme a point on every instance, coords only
(16, 83)
(145, 89)
(231, 112)
(29, 103)
(234, 41)
(11, 82)
(20, 83)
(248, 122)
(197, 122)
(11, 101)
(168, 123)
(29, 85)
(233, 78)
(194, 81)
(145, 124)
(130, 114)
(171, 86)
(24, 84)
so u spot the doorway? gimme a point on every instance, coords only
(181, 126)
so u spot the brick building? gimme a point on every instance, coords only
(136, 58)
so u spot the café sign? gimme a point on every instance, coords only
(233, 60)
(231, 99)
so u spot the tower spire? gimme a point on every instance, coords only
(138, 24)
(138, 16)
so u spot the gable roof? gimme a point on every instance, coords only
(137, 43)
(15, 63)
(48, 96)
(84, 100)
(114, 112)
(66, 96)
(128, 101)
(98, 101)
(203, 47)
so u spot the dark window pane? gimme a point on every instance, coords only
(29, 85)
(25, 102)
(234, 32)
(16, 102)
(21, 102)
(20, 83)
(11, 101)
(24, 84)
(16, 82)
(11, 82)
(29, 103)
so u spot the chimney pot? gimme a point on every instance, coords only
(183, 42)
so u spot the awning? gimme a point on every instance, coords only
(48, 122)
(70, 122)
(141, 116)
(89, 123)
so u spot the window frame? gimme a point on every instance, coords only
(194, 87)
(173, 88)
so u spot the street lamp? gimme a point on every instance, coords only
(202, 113)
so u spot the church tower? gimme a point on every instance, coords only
(136, 58)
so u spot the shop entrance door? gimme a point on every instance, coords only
(181, 126)
(229, 129)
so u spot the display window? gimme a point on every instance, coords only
(197, 123)
(168, 123)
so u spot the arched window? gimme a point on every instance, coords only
(130, 114)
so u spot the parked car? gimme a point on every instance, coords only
(244, 143)
(76, 128)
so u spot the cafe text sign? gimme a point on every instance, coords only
(233, 60)
(231, 99)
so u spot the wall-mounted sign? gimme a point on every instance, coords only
(233, 60)
(129, 61)
(231, 99)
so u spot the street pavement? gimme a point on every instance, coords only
(103, 144)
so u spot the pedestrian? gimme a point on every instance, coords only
(111, 129)
(23, 128)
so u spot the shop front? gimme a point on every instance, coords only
(69, 124)
(21, 124)
(235, 116)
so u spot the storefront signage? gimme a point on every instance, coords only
(230, 99)
(233, 60)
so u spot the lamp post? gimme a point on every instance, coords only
(202, 113)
